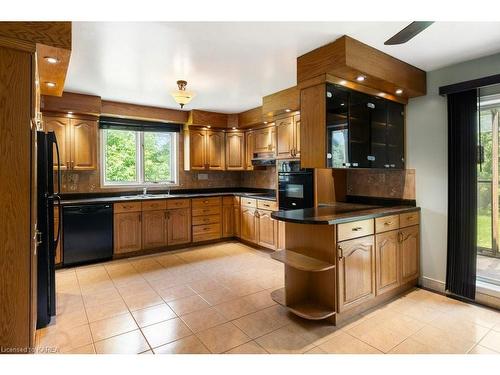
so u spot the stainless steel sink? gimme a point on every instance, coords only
(138, 196)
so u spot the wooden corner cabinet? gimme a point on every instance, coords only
(77, 140)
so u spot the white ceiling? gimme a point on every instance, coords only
(230, 66)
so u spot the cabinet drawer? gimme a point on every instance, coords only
(214, 210)
(228, 201)
(409, 219)
(205, 202)
(154, 205)
(386, 223)
(127, 207)
(248, 202)
(207, 229)
(267, 205)
(206, 237)
(354, 229)
(178, 203)
(207, 219)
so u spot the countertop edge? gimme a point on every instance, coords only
(385, 212)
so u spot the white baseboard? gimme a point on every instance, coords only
(433, 284)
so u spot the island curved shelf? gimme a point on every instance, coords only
(301, 262)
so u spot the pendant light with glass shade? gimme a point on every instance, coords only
(182, 96)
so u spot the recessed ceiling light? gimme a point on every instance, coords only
(342, 104)
(70, 113)
(288, 110)
(234, 128)
(342, 82)
(51, 60)
(381, 94)
(208, 126)
(360, 78)
(265, 122)
(50, 84)
(399, 91)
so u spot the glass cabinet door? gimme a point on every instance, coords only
(395, 135)
(359, 127)
(337, 125)
(378, 136)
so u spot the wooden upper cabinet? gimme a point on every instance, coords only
(387, 261)
(215, 150)
(60, 126)
(235, 151)
(249, 149)
(356, 260)
(409, 253)
(179, 226)
(154, 232)
(77, 141)
(127, 232)
(83, 144)
(285, 137)
(197, 149)
(264, 140)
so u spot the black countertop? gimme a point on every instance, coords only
(339, 213)
(71, 199)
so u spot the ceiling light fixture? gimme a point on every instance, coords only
(51, 60)
(182, 96)
(50, 84)
(399, 91)
(360, 78)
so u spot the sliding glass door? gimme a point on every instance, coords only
(488, 223)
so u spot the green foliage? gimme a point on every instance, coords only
(157, 157)
(120, 151)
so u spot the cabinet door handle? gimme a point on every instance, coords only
(400, 236)
(355, 229)
(340, 252)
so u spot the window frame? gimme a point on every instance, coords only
(139, 144)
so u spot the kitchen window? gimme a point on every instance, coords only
(135, 156)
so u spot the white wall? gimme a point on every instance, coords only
(427, 148)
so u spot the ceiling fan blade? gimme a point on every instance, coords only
(408, 32)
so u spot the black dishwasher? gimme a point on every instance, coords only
(87, 233)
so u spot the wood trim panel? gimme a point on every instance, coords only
(250, 118)
(206, 118)
(55, 73)
(313, 127)
(55, 34)
(71, 102)
(142, 112)
(277, 103)
(347, 58)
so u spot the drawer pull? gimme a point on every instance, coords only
(355, 229)
(409, 218)
(205, 202)
(388, 223)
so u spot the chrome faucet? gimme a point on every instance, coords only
(144, 191)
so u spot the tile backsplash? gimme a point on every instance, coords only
(398, 184)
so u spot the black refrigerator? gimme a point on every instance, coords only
(47, 197)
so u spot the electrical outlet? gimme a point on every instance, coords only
(202, 176)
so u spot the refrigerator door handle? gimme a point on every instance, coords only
(58, 168)
(59, 213)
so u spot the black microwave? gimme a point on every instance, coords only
(295, 185)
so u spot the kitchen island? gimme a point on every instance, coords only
(344, 258)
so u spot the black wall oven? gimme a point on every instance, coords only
(295, 185)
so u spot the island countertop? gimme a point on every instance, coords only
(339, 212)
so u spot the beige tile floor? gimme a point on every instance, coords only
(216, 299)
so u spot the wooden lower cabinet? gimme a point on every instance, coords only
(356, 273)
(409, 253)
(127, 232)
(154, 233)
(178, 226)
(227, 221)
(387, 257)
(267, 230)
(281, 235)
(248, 224)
